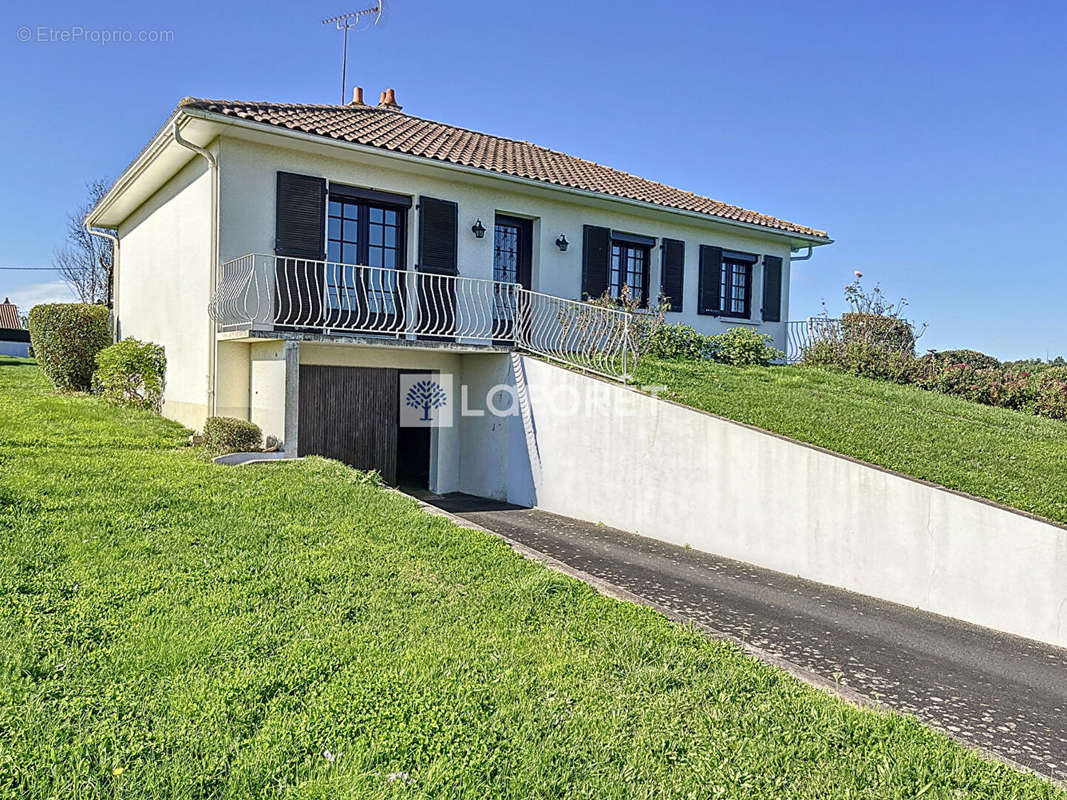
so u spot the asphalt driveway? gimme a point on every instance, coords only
(1001, 693)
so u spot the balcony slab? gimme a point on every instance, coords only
(363, 340)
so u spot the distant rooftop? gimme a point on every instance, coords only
(9, 315)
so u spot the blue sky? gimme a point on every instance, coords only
(928, 138)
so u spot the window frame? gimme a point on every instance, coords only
(374, 287)
(364, 207)
(727, 275)
(625, 246)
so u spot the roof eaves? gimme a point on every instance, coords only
(431, 144)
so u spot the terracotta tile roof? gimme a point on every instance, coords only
(9, 315)
(393, 130)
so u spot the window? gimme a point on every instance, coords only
(629, 268)
(735, 289)
(363, 234)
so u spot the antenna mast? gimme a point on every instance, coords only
(343, 23)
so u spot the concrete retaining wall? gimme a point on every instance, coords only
(605, 453)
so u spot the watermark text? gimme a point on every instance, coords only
(77, 34)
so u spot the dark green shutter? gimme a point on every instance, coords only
(672, 274)
(710, 280)
(438, 224)
(596, 252)
(300, 216)
(772, 289)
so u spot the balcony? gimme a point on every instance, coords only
(263, 294)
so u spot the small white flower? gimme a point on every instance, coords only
(329, 756)
(399, 776)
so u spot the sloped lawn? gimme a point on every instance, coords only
(1007, 456)
(173, 629)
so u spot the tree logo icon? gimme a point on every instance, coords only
(427, 395)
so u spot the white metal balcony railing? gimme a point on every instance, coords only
(803, 333)
(275, 293)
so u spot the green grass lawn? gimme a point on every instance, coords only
(1007, 456)
(174, 629)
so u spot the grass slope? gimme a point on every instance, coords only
(1006, 456)
(174, 629)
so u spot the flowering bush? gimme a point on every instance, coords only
(875, 341)
(1049, 392)
(971, 358)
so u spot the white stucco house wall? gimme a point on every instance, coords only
(339, 246)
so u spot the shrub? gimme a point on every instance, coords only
(1049, 392)
(645, 321)
(875, 341)
(131, 373)
(862, 358)
(991, 386)
(1007, 389)
(66, 338)
(892, 333)
(971, 358)
(742, 346)
(679, 341)
(231, 435)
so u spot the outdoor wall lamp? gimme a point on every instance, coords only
(562, 243)
(478, 229)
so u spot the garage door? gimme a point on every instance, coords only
(351, 414)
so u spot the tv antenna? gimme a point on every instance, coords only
(345, 22)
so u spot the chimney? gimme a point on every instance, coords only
(388, 100)
(357, 96)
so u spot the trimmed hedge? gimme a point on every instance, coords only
(736, 346)
(878, 330)
(863, 359)
(66, 338)
(131, 373)
(970, 358)
(231, 435)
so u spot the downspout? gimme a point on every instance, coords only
(213, 344)
(805, 257)
(113, 289)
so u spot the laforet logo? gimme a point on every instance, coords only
(426, 395)
(425, 400)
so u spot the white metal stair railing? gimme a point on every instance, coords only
(271, 293)
(591, 338)
(801, 334)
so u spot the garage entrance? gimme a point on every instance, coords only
(353, 414)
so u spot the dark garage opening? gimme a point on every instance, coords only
(353, 414)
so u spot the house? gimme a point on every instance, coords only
(298, 262)
(14, 339)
